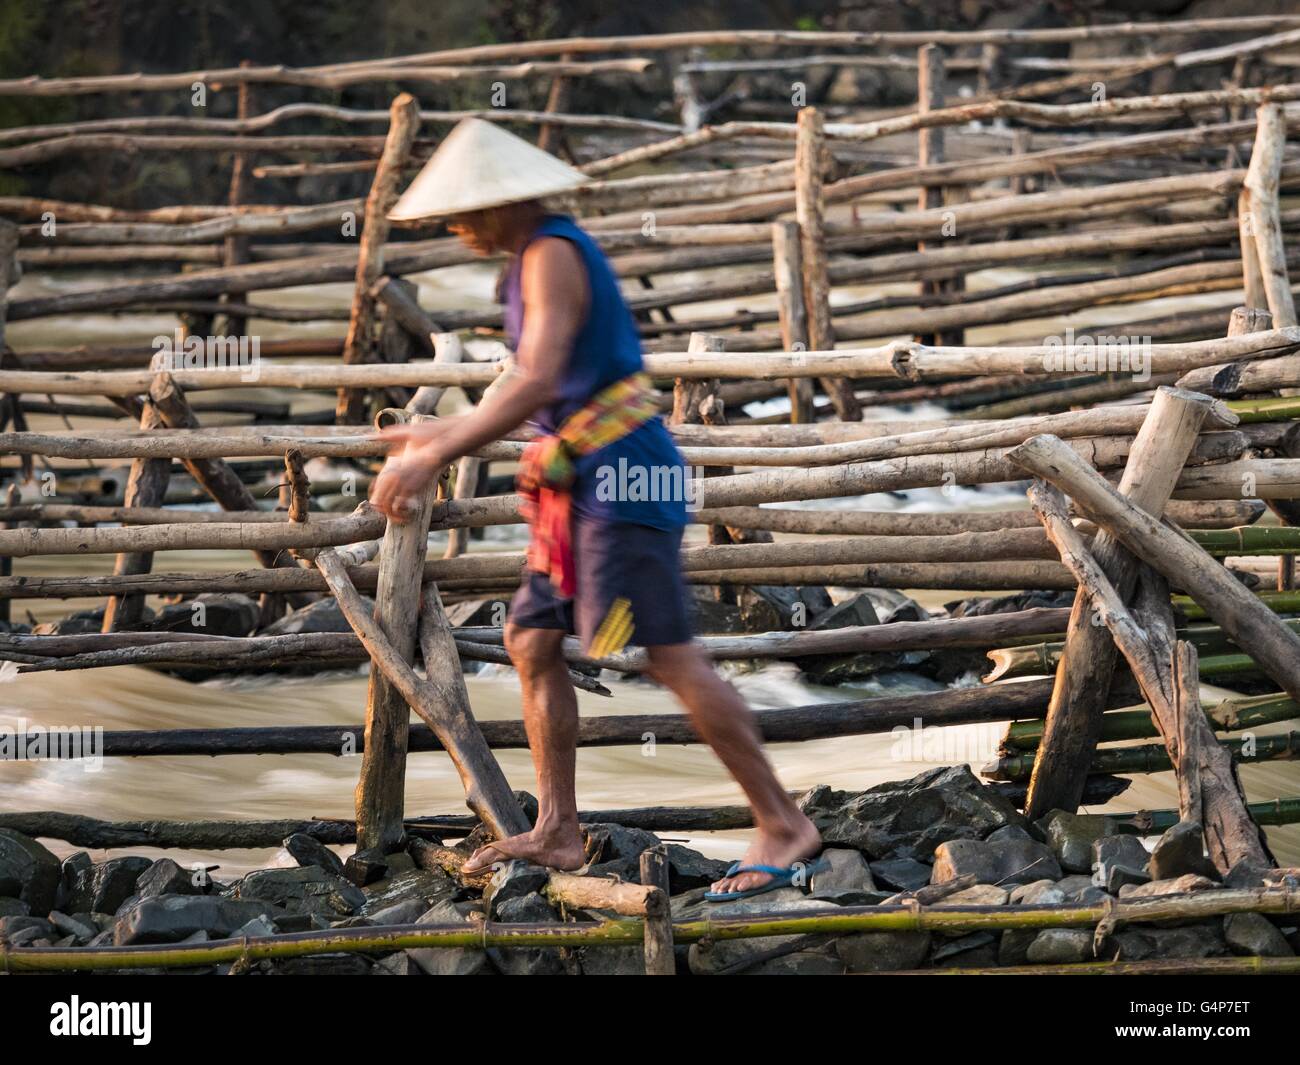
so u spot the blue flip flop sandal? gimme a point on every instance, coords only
(780, 878)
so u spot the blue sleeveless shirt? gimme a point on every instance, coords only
(640, 479)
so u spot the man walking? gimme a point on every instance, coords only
(602, 562)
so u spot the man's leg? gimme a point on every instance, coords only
(551, 721)
(720, 715)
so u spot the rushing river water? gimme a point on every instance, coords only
(293, 786)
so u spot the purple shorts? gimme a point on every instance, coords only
(614, 560)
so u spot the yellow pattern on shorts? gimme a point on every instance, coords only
(615, 631)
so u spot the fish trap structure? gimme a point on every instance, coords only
(1157, 423)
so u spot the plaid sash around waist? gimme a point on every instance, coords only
(546, 471)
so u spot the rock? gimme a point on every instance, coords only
(408, 911)
(1060, 946)
(303, 891)
(514, 880)
(365, 867)
(611, 961)
(79, 926)
(104, 887)
(211, 613)
(261, 925)
(976, 950)
(1009, 856)
(690, 869)
(1013, 947)
(1254, 935)
(19, 929)
(165, 877)
(831, 670)
(709, 615)
(318, 965)
(396, 965)
(323, 615)
(1081, 889)
(449, 961)
(901, 874)
(1203, 940)
(821, 961)
(84, 621)
(1178, 886)
(526, 961)
(738, 955)
(1180, 850)
(977, 895)
(855, 611)
(1119, 861)
(908, 610)
(171, 918)
(28, 872)
(876, 952)
(771, 608)
(909, 819)
(425, 886)
(845, 880)
(1247, 874)
(982, 606)
(13, 907)
(1039, 893)
(308, 850)
(1071, 837)
(615, 850)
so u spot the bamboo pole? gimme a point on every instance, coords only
(360, 346)
(1087, 663)
(787, 267)
(1262, 177)
(810, 149)
(1240, 614)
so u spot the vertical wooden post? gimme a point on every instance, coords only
(787, 265)
(235, 251)
(146, 486)
(1083, 676)
(11, 497)
(659, 958)
(380, 789)
(1262, 177)
(931, 92)
(810, 145)
(549, 136)
(360, 344)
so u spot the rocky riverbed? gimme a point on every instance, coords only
(911, 839)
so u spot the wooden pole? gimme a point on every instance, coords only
(1246, 621)
(931, 92)
(810, 148)
(659, 957)
(236, 250)
(146, 486)
(1083, 676)
(1262, 178)
(361, 341)
(787, 263)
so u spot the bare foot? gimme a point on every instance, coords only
(553, 848)
(780, 847)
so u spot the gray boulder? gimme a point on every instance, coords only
(221, 614)
(425, 886)
(302, 891)
(1178, 886)
(740, 955)
(1119, 861)
(901, 874)
(527, 961)
(449, 961)
(1202, 940)
(514, 880)
(1009, 856)
(104, 887)
(1180, 850)
(1071, 837)
(1038, 893)
(1254, 935)
(323, 615)
(308, 850)
(855, 611)
(976, 950)
(28, 872)
(1060, 946)
(876, 952)
(172, 918)
(165, 877)
(844, 878)
(910, 818)
(771, 608)
(689, 869)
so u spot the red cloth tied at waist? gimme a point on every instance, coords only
(546, 471)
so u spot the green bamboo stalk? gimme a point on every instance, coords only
(1151, 758)
(1248, 966)
(1248, 540)
(629, 931)
(1042, 659)
(1230, 715)
(1278, 409)
(1278, 602)
(1154, 822)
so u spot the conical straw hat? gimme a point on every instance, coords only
(480, 165)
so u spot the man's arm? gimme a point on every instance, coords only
(556, 299)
